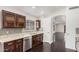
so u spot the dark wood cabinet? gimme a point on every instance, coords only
(38, 24)
(14, 46)
(9, 46)
(34, 41)
(21, 23)
(13, 20)
(37, 39)
(19, 45)
(9, 19)
(40, 37)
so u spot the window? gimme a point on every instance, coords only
(30, 24)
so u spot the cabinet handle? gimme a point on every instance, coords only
(10, 43)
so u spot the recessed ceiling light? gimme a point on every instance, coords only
(33, 7)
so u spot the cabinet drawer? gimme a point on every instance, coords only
(8, 43)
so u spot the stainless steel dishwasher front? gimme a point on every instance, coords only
(27, 43)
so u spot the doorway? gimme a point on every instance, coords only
(59, 29)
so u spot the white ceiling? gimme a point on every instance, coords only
(40, 10)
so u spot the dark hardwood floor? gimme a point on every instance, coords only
(43, 47)
(57, 46)
(54, 47)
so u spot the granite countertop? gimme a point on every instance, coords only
(6, 38)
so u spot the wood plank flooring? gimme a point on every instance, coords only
(54, 47)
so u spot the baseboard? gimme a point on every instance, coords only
(48, 42)
(70, 50)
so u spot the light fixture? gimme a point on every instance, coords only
(33, 7)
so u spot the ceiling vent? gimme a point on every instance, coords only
(75, 7)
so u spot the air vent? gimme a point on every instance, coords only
(75, 7)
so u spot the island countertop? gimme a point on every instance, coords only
(6, 38)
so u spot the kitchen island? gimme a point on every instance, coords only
(16, 42)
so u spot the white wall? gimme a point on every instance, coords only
(15, 10)
(59, 27)
(72, 22)
(46, 25)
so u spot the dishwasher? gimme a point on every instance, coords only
(27, 43)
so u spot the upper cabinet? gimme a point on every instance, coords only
(12, 20)
(20, 20)
(9, 19)
(38, 24)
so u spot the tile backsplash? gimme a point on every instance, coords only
(10, 31)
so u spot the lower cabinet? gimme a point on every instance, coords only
(37, 39)
(14, 46)
(19, 45)
(9, 46)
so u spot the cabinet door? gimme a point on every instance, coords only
(9, 46)
(19, 45)
(37, 39)
(41, 37)
(9, 19)
(34, 40)
(20, 20)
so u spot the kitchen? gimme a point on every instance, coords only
(13, 36)
(36, 28)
